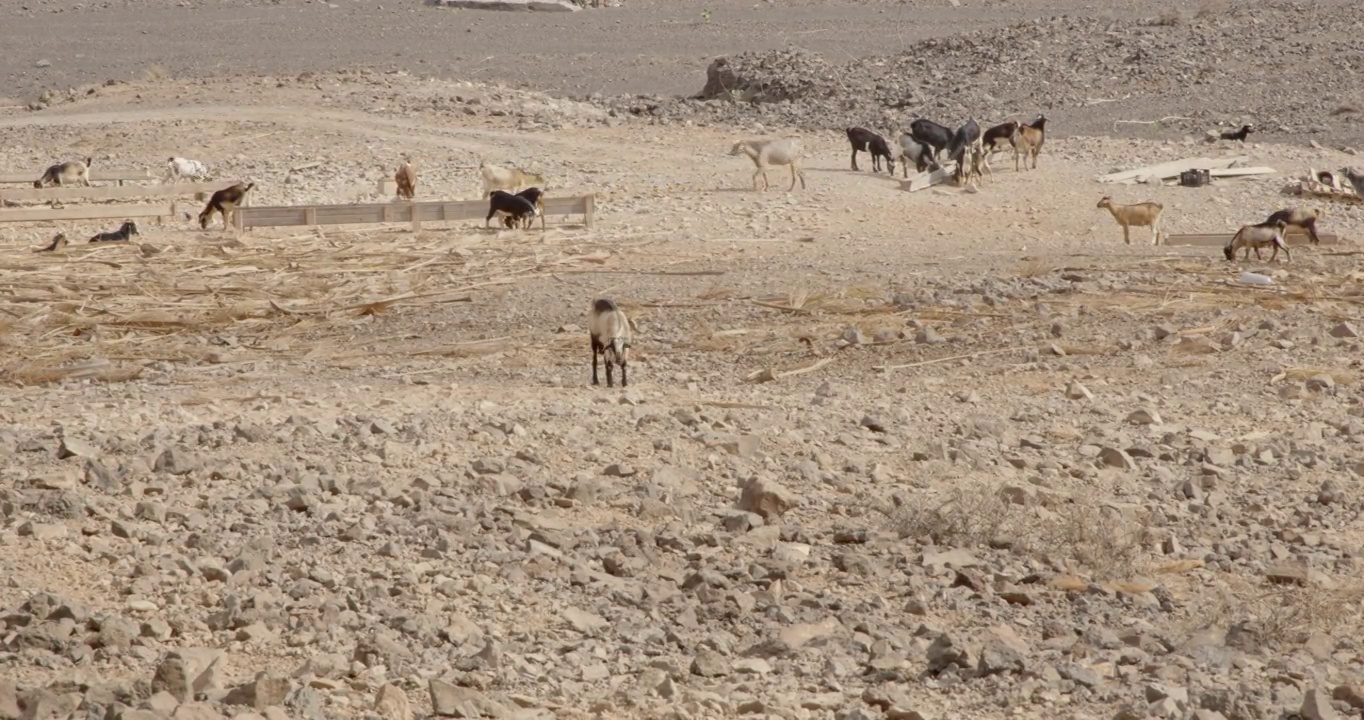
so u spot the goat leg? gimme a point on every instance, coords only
(596, 348)
(854, 159)
(609, 382)
(623, 382)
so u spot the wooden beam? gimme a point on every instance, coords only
(589, 211)
(115, 175)
(1241, 172)
(1171, 169)
(929, 179)
(410, 212)
(110, 192)
(1221, 239)
(87, 212)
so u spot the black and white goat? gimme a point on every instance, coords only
(873, 144)
(609, 330)
(122, 234)
(917, 153)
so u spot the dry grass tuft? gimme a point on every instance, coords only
(155, 73)
(1280, 616)
(1106, 540)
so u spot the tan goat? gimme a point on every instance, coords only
(1030, 140)
(1135, 215)
(1254, 237)
(406, 177)
(767, 153)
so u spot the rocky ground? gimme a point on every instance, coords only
(1018, 469)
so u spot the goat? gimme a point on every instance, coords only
(178, 167)
(501, 202)
(66, 173)
(224, 202)
(962, 149)
(496, 177)
(1237, 134)
(1299, 218)
(996, 136)
(979, 157)
(406, 177)
(766, 153)
(536, 196)
(609, 329)
(125, 231)
(931, 134)
(1135, 215)
(869, 142)
(58, 243)
(916, 151)
(1030, 140)
(1254, 237)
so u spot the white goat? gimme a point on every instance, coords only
(496, 177)
(609, 330)
(178, 168)
(766, 153)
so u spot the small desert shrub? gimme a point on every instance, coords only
(1170, 17)
(1280, 616)
(155, 72)
(1102, 539)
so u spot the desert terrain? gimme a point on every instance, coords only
(941, 454)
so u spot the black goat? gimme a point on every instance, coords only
(1238, 134)
(536, 197)
(127, 230)
(869, 142)
(515, 207)
(995, 137)
(964, 142)
(931, 134)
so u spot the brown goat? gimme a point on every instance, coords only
(1031, 136)
(1135, 215)
(1299, 218)
(224, 202)
(406, 177)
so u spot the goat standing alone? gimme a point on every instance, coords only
(1299, 218)
(178, 168)
(1030, 140)
(1237, 134)
(609, 330)
(122, 234)
(66, 173)
(224, 202)
(406, 177)
(1254, 237)
(1135, 215)
(768, 153)
(873, 144)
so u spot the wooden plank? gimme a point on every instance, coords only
(98, 175)
(87, 212)
(377, 213)
(1171, 169)
(929, 179)
(112, 192)
(1242, 172)
(589, 211)
(1221, 239)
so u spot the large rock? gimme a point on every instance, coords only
(540, 5)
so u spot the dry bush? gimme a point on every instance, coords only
(1099, 538)
(155, 72)
(1211, 8)
(1169, 17)
(1280, 616)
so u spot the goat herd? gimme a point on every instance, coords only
(969, 149)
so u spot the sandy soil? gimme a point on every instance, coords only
(1029, 471)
